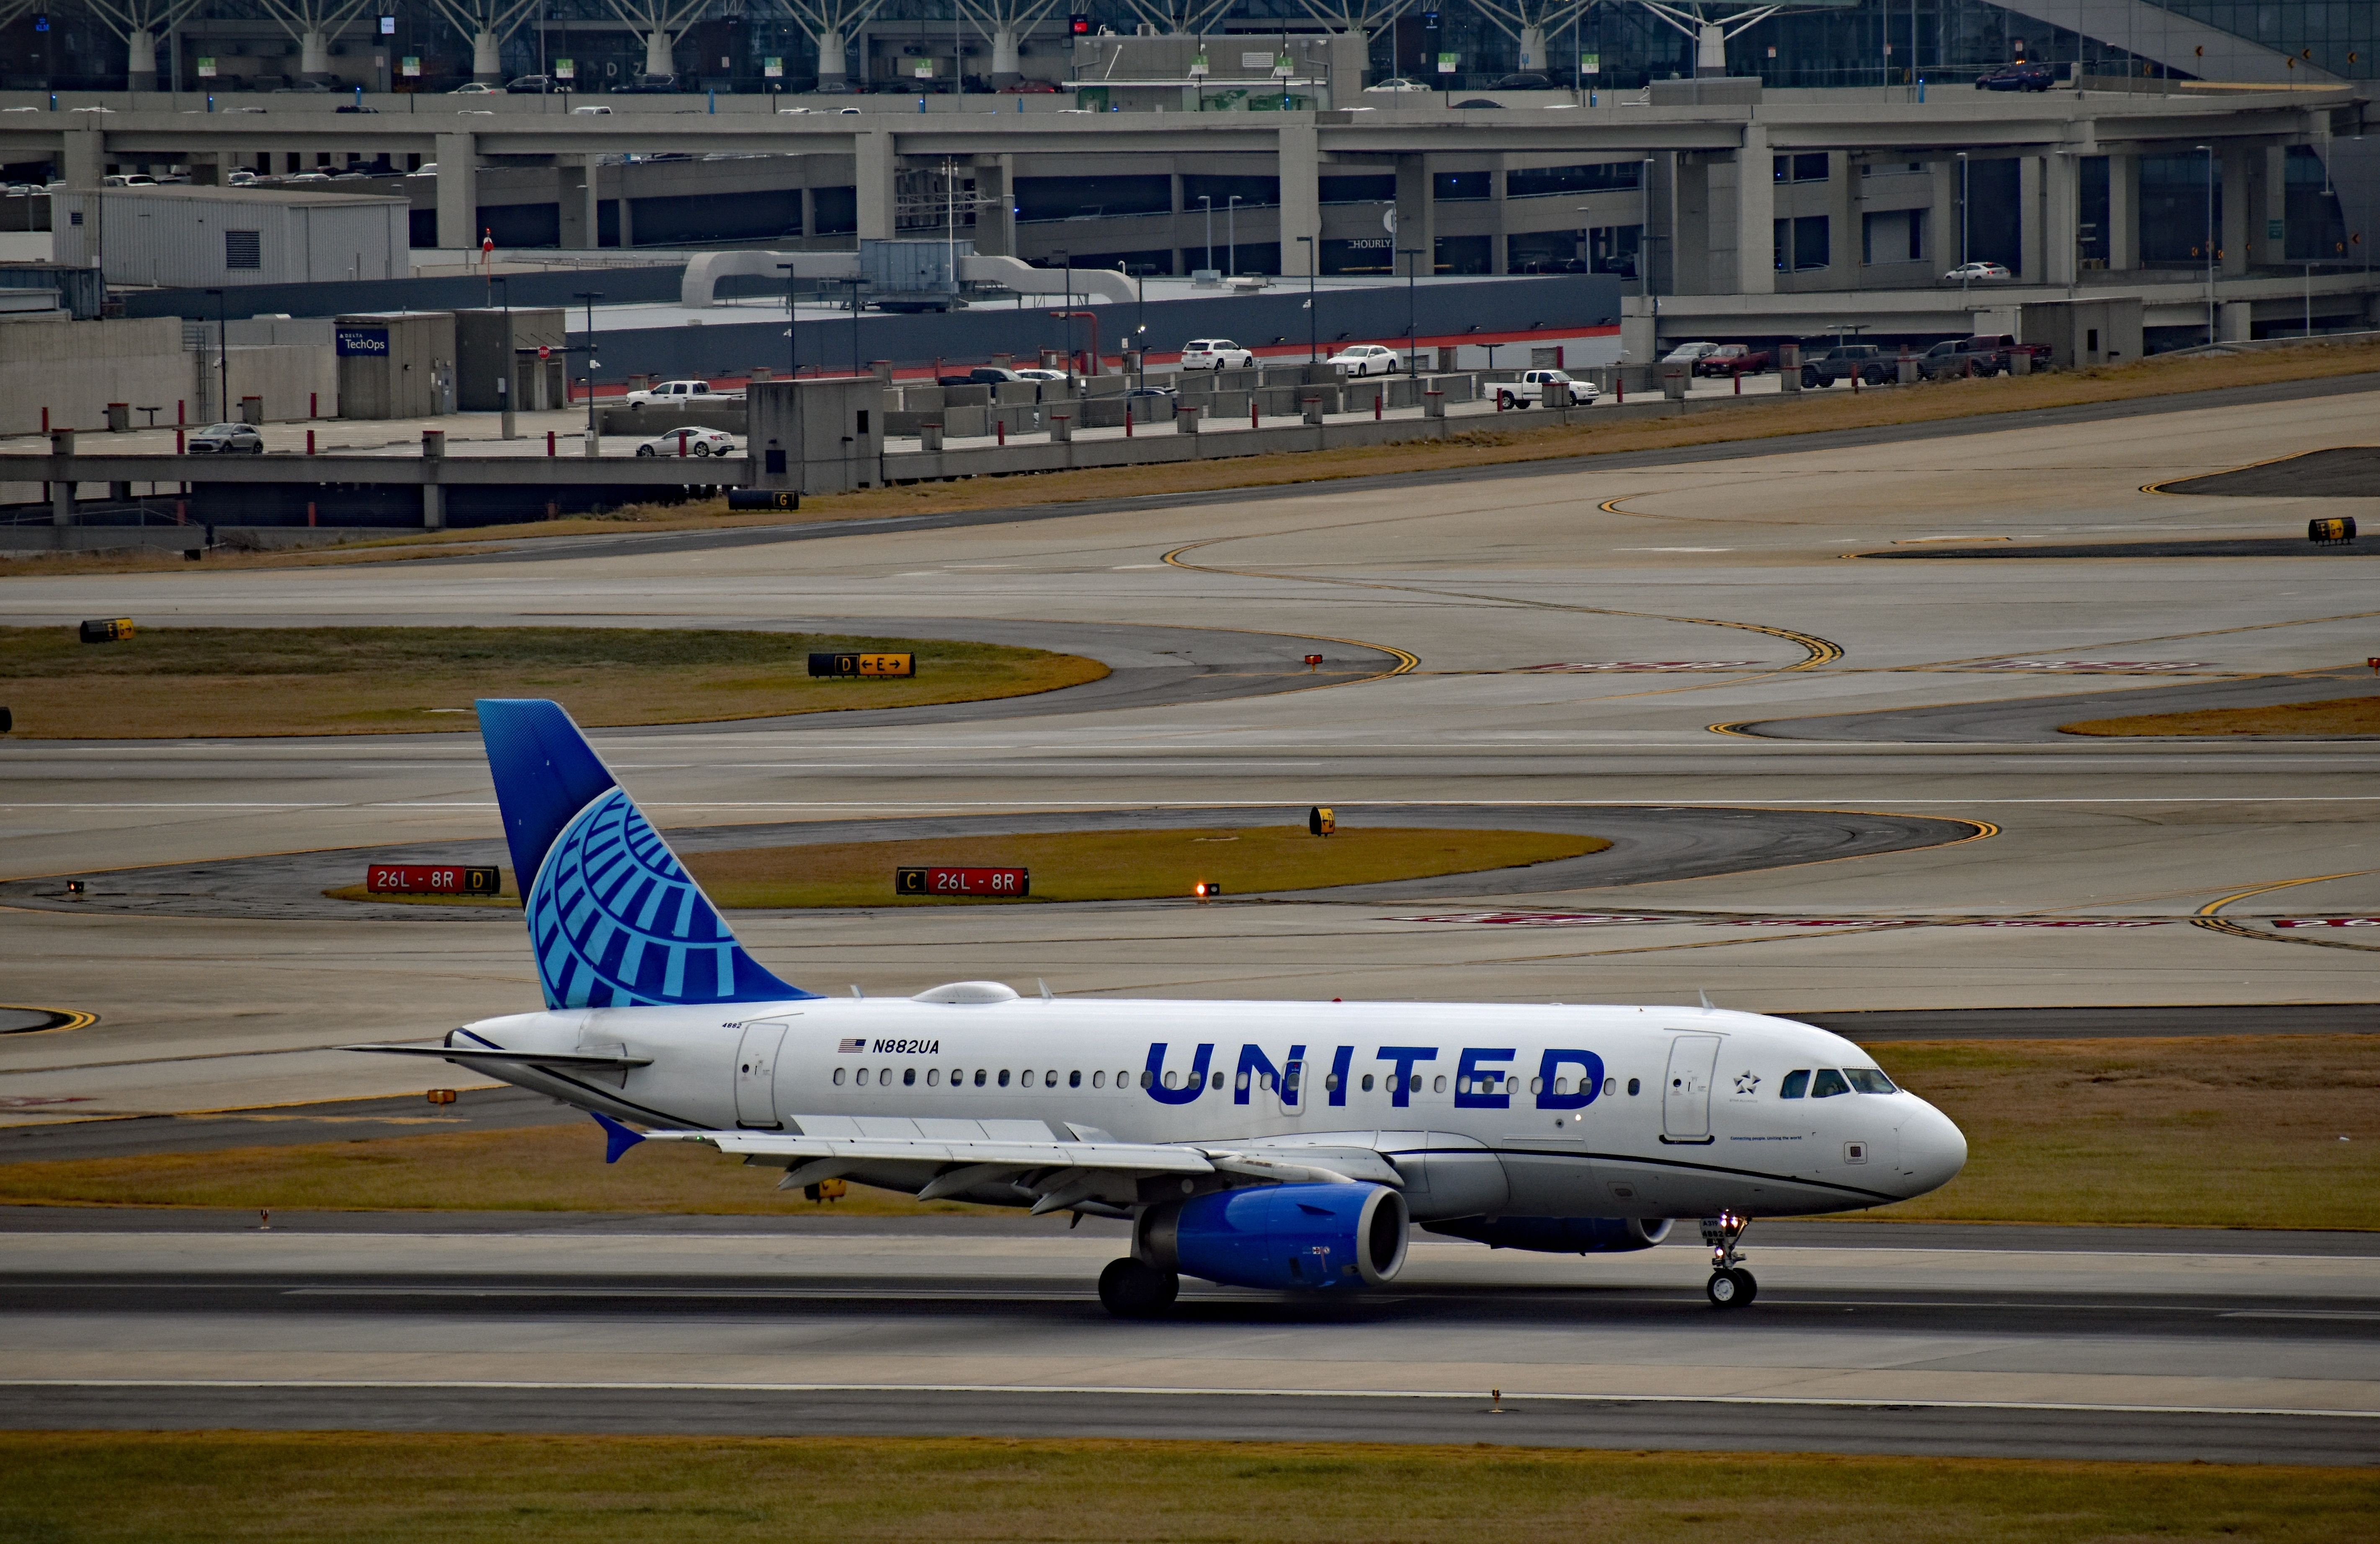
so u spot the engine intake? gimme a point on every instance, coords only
(1559, 1235)
(1287, 1238)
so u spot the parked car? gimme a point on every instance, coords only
(226, 439)
(841, 87)
(1529, 390)
(476, 87)
(1478, 102)
(1031, 88)
(1865, 360)
(674, 394)
(2008, 345)
(2025, 75)
(354, 107)
(1215, 354)
(1689, 353)
(1035, 373)
(689, 442)
(1367, 358)
(303, 88)
(128, 179)
(981, 375)
(648, 85)
(595, 111)
(1958, 357)
(1526, 80)
(307, 176)
(534, 85)
(1967, 271)
(1397, 85)
(241, 179)
(1734, 358)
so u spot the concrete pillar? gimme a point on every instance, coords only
(2033, 263)
(1499, 252)
(459, 191)
(995, 210)
(1351, 59)
(2123, 211)
(2061, 195)
(1755, 217)
(1301, 198)
(82, 158)
(874, 171)
(1416, 214)
(575, 211)
(2270, 210)
(809, 215)
(1942, 219)
(1690, 234)
(2234, 323)
(2238, 207)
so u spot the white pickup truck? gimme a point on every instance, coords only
(677, 393)
(1529, 390)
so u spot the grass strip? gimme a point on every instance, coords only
(1811, 413)
(225, 682)
(2333, 718)
(2240, 1131)
(365, 1488)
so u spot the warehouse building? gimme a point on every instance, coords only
(212, 237)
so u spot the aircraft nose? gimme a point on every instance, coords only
(1933, 1149)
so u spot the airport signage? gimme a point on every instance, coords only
(361, 343)
(940, 879)
(765, 498)
(419, 878)
(864, 664)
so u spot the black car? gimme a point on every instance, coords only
(2029, 75)
(1526, 80)
(533, 85)
(1478, 102)
(981, 375)
(1865, 360)
(354, 107)
(648, 85)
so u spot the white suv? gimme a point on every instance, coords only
(1529, 390)
(1215, 354)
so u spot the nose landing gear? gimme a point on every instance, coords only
(1730, 1285)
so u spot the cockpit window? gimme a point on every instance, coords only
(1827, 1083)
(1867, 1080)
(1796, 1083)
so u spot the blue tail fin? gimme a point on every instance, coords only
(615, 920)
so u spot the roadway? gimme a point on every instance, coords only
(2116, 1343)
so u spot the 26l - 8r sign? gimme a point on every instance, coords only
(423, 879)
(939, 881)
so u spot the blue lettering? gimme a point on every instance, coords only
(1254, 1062)
(1403, 1058)
(1469, 1075)
(1339, 1073)
(1590, 1080)
(1154, 1078)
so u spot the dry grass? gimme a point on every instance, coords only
(164, 1488)
(2336, 718)
(2229, 1132)
(242, 681)
(2217, 1132)
(1813, 412)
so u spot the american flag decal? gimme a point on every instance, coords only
(854, 1045)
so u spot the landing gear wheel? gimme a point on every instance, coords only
(1129, 1289)
(1722, 1290)
(1746, 1287)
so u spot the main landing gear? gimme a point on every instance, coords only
(1133, 1289)
(1730, 1285)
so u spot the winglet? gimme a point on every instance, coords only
(617, 1139)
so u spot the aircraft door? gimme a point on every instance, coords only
(755, 1075)
(1686, 1097)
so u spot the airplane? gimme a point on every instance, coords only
(1285, 1145)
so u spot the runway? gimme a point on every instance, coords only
(2113, 1345)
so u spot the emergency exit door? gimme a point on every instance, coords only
(1686, 1096)
(756, 1075)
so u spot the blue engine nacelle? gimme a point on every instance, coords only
(1559, 1235)
(1309, 1237)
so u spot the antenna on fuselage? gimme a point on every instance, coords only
(863, 996)
(1703, 992)
(1046, 995)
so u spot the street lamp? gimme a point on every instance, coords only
(1140, 272)
(1413, 335)
(594, 444)
(222, 357)
(793, 370)
(1066, 313)
(1231, 234)
(1964, 184)
(1313, 316)
(2208, 150)
(1209, 202)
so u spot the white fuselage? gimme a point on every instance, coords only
(1488, 1109)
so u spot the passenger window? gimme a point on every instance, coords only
(1330, 1084)
(1367, 1082)
(908, 1077)
(1243, 1083)
(1536, 1084)
(885, 1077)
(1827, 1083)
(1611, 1086)
(1003, 1077)
(862, 1079)
(1124, 1078)
(1796, 1083)
(1217, 1082)
(1050, 1079)
(1147, 1078)
(1173, 1079)
(1561, 1085)
(933, 1078)
(1027, 1079)
(1437, 1084)
(979, 1077)
(1416, 1082)
(838, 1077)
(1867, 1080)
(1632, 1088)
(1264, 1081)
(1099, 1080)
(1075, 1079)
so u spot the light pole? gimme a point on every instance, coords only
(1313, 316)
(222, 357)
(2208, 150)
(793, 370)
(1413, 335)
(1644, 256)
(1066, 311)
(1231, 234)
(594, 444)
(1964, 183)
(1209, 202)
(1140, 272)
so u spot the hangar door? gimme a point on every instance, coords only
(1685, 1098)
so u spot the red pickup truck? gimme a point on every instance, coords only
(1734, 358)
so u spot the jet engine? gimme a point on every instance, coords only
(1559, 1235)
(1310, 1237)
